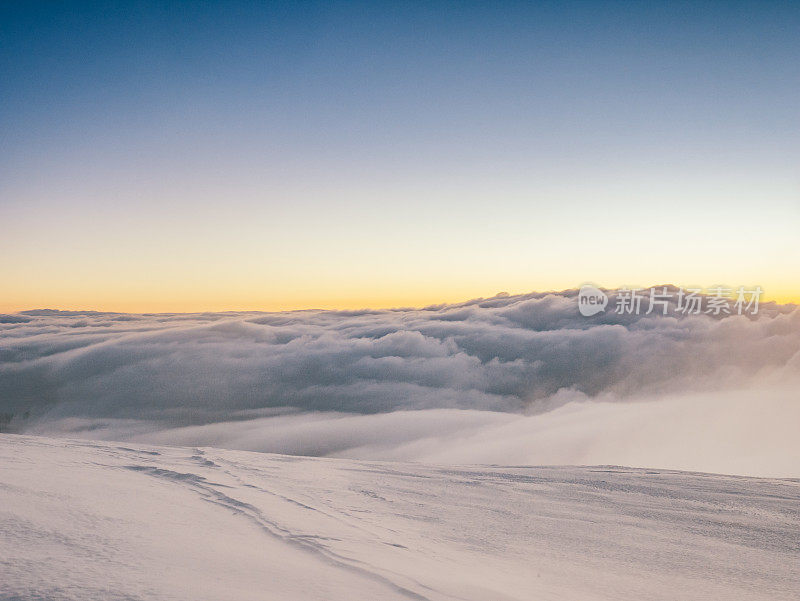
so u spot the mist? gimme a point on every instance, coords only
(506, 380)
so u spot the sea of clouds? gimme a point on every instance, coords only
(507, 380)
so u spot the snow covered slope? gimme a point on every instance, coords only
(95, 520)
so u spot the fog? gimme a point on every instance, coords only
(506, 380)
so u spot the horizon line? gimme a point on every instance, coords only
(779, 300)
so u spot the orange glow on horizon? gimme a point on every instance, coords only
(210, 303)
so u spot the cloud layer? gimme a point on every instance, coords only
(510, 379)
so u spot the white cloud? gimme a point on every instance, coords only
(515, 379)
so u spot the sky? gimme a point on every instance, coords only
(232, 156)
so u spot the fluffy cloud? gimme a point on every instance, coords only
(486, 380)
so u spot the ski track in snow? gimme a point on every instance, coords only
(96, 520)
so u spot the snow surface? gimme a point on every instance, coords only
(100, 520)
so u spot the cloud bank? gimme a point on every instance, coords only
(509, 379)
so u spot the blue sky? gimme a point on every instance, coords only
(349, 154)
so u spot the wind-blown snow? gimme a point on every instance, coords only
(93, 520)
(511, 379)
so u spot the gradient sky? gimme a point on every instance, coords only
(209, 156)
